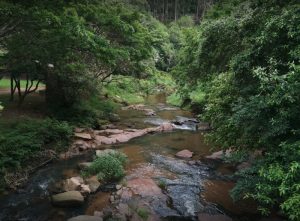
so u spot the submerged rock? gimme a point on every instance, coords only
(66, 199)
(184, 154)
(86, 218)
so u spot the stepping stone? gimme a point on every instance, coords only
(184, 154)
(66, 199)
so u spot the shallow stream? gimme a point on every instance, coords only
(189, 187)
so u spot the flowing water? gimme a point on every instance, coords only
(189, 187)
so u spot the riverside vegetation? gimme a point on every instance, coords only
(235, 63)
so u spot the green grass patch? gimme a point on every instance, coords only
(5, 83)
(108, 167)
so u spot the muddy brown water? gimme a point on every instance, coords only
(32, 202)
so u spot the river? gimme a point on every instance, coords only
(188, 188)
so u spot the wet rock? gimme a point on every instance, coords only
(104, 140)
(84, 136)
(184, 154)
(72, 184)
(166, 127)
(93, 183)
(85, 189)
(184, 191)
(86, 218)
(70, 198)
(109, 131)
(149, 112)
(84, 165)
(219, 155)
(208, 217)
(144, 187)
(81, 145)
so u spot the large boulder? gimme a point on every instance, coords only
(86, 218)
(184, 154)
(66, 199)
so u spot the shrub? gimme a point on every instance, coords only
(107, 167)
(20, 140)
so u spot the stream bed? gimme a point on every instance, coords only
(168, 187)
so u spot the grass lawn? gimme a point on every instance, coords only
(5, 83)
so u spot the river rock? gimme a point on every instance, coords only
(144, 187)
(81, 145)
(104, 140)
(184, 154)
(85, 189)
(219, 155)
(70, 198)
(166, 127)
(86, 218)
(93, 183)
(72, 184)
(84, 136)
(208, 217)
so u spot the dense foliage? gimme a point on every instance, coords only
(108, 166)
(246, 56)
(21, 141)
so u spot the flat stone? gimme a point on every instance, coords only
(86, 218)
(84, 136)
(66, 199)
(184, 154)
(208, 217)
(105, 140)
(144, 187)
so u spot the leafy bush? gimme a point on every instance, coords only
(107, 167)
(20, 140)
